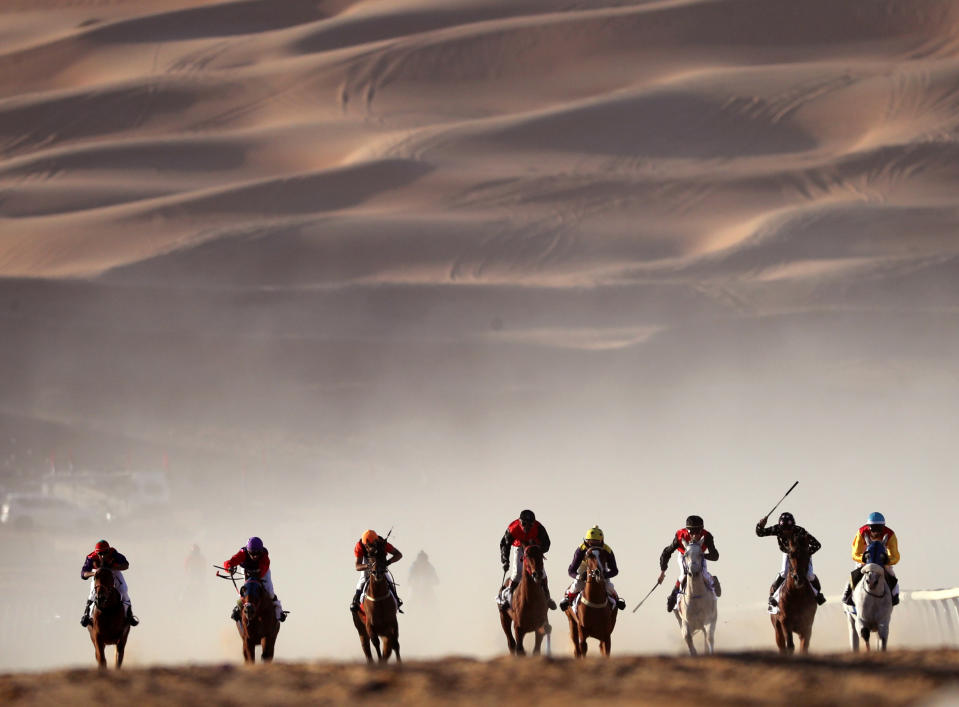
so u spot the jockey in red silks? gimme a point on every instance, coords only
(105, 556)
(577, 569)
(694, 532)
(371, 544)
(523, 531)
(875, 530)
(254, 560)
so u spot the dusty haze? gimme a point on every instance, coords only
(423, 263)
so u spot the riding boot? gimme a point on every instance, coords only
(276, 605)
(567, 600)
(549, 602)
(847, 595)
(772, 590)
(131, 619)
(355, 606)
(892, 582)
(820, 597)
(855, 576)
(85, 619)
(717, 588)
(399, 602)
(621, 604)
(672, 598)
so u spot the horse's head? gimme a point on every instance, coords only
(693, 559)
(376, 561)
(254, 594)
(798, 560)
(873, 576)
(533, 563)
(104, 587)
(876, 554)
(594, 565)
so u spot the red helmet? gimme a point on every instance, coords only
(102, 545)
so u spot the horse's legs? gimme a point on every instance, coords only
(101, 650)
(710, 634)
(605, 646)
(249, 650)
(520, 635)
(573, 634)
(538, 637)
(780, 632)
(375, 640)
(396, 646)
(268, 646)
(507, 623)
(688, 635)
(853, 634)
(865, 638)
(804, 639)
(121, 647)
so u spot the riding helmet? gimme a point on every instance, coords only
(254, 544)
(527, 516)
(102, 545)
(694, 523)
(876, 518)
(370, 537)
(786, 520)
(594, 533)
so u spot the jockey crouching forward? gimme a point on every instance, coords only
(523, 531)
(785, 530)
(694, 532)
(372, 545)
(254, 559)
(105, 556)
(577, 569)
(875, 530)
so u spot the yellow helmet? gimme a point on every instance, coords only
(370, 537)
(594, 533)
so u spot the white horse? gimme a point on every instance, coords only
(873, 600)
(697, 603)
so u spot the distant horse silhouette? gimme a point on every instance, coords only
(109, 618)
(258, 623)
(797, 602)
(527, 612)
(696, 610)
(593, 616)
(376, 618)
(872, 598)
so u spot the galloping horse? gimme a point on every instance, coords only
(376, 618)
(594, 616)
(258, 623)
(109, 618)
(696, 610)
(527, 612)
(797, 602)
(872, 598)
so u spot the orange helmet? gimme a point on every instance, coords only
(370, 537)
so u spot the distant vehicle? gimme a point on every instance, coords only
(35, 510)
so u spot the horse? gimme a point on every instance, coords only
(376, 617)
(109, 618)
(797, 602)
(527, 610)
(696, 609)
(258, 623)
(594, 616)
(872, 598)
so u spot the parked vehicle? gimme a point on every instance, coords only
(35, 510)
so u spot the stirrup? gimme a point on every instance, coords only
(85, 620)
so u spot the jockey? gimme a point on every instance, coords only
(577, 569)
(371, 544)
(875, 530)
(254, 559)
(694, 532)
(105, 556)
(523, 531)
(785, 529)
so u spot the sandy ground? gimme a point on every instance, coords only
(897, 678)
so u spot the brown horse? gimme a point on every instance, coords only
(258, 623)
(376, 618)
(109, 618)
(594, 616)
(797, 602)
(527, 612)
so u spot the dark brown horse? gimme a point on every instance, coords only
(376, 618)
(258, 623)
(109, 618)
(527, 612)
(797, 602)
(594, 616)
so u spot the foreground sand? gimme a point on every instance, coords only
(903, 677)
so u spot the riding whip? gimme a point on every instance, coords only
(647, 596)
(782, 499)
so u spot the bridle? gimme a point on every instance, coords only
(105, 592)
(376, 573)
